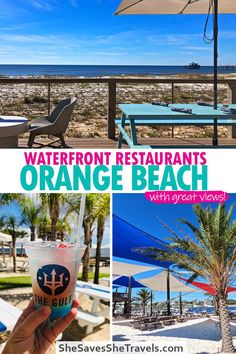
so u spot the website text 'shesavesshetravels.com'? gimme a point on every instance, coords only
(72, 347)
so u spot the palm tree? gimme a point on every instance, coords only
(90, 216)
(11, 225)
(211, 254)
(63, 227)
(30, 211)
(94, 207)
(44, 227)
(143, 297)
(101, 220)
(2, 243)
(7, 198)
(54, 202)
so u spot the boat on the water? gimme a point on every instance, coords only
(193, 66)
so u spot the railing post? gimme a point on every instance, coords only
(172, 93)
(111, 128)
(172, 101)
(231, 92)
(49, 98)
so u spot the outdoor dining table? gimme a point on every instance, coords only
(97, 293)
(9, 315)
(10, 128)
(107, 281)
(153, 115)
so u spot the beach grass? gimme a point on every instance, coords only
(25, 281)
(89, 119)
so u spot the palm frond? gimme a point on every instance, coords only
(210, 254)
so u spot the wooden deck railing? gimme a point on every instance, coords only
(112, 85)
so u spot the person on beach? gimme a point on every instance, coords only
(31, 335)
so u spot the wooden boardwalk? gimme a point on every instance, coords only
(103, 143)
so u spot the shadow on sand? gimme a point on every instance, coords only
(206, 330)
(120, 338)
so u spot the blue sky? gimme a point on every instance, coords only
(135, 209)
(140, 212)
(86, 32)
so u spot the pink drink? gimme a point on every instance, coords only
(54, 270)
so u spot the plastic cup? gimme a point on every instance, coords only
(54, 270)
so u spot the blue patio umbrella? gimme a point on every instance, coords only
(129, 283)
(182, 7)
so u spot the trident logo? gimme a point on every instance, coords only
(53, 279)
(53, 284)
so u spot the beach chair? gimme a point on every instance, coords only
(9, 315)
(53, 125)
(23, 265)
(3, 266)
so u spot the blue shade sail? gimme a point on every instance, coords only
(124, 281)
(126, 238)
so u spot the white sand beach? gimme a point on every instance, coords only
(200, 336)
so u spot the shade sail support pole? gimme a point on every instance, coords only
(180, 304)
(151, 302)
(215, 134)
(129, 296)
(168, 293)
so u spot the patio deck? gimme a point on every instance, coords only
(105, 143)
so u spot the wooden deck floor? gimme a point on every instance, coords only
(99, 143)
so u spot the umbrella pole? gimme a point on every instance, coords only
(215, 135)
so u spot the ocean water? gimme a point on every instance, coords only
(208, 309)
(100, 70)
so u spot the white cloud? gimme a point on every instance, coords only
(206, 48)
(21, 26)
(43, 4)
(27, 39)
(127, 47)
(8, 10)
(227, 34)
(107, 53)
